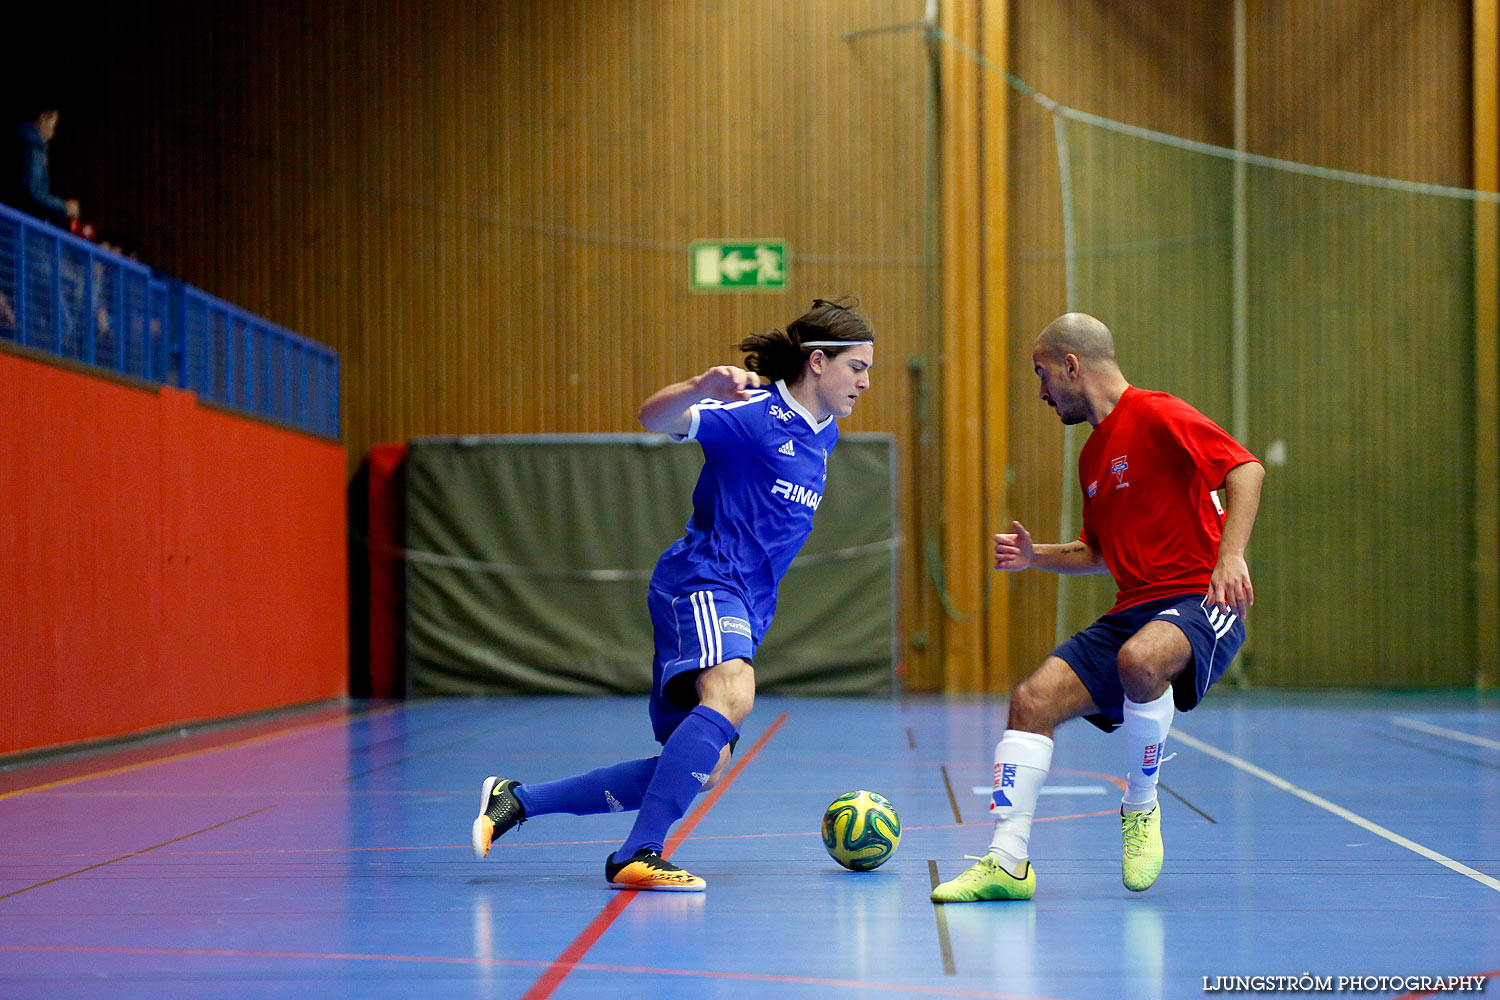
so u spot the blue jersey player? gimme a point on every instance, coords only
(766, 431)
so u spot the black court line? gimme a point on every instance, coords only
(438, 726)
(942, 925)
(429, 752)
(957, 817)
(136, 854)
(1163, 786)
(1466, 758)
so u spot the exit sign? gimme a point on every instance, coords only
(738, 265)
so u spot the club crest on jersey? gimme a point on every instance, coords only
(1119, 467)
(796, 494)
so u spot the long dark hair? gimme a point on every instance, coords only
(778, 355)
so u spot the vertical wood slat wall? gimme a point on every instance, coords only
(1371, 87)
(1164, 66)
(1391, 96)
(962, 630)
(1486, 153)
(485, 207)
(975, 629)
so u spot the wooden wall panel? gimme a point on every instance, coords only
(1486, 153)
(1166, 66)
(1377, 88)
(1387, 94)
(1368, 86)
(486, 207)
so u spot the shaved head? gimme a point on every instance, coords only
(1077, 333)
(1074, 358)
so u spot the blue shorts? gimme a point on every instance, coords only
(693, 632)
(1093, 653)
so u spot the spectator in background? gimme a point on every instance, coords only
(29, 184)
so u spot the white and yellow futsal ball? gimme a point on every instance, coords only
(861, 830)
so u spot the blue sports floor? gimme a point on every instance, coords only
(324, 854)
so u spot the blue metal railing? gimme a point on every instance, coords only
(67, 296)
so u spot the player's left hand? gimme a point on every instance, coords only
(1229, 588)
(728, 383)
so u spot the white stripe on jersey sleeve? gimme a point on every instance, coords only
(718, 404)
(714, 404)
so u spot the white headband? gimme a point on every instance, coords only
(835, 343)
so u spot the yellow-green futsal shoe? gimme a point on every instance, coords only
(1141, 852)
(987, 880)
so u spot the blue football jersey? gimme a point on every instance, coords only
(765, 460)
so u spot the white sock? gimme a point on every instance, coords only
(1145, 728)
(1021, 763)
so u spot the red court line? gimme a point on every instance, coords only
(573, 953)
(135, 854)
(344, 716)
(757, 977)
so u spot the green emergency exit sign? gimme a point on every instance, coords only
(738, 265)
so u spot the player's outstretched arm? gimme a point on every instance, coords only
(1016, 551)
(1229, 588)
(667, 409)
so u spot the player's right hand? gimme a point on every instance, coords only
(728, 383)
(1014, 551)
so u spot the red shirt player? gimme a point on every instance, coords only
(1149, 472)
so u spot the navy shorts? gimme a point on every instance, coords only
(693, 632)
(1093, 653)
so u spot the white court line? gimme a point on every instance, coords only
(1337, 810)
(985, 790)
(1452, 734)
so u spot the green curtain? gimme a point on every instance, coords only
(528, 561)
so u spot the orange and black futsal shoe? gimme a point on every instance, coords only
(648, 870)
(499, 810)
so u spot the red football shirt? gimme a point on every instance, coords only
(1148, 473)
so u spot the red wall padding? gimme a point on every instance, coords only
(159, 562)
(387, 535)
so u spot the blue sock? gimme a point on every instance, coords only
(687, 759)
(616, 788)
